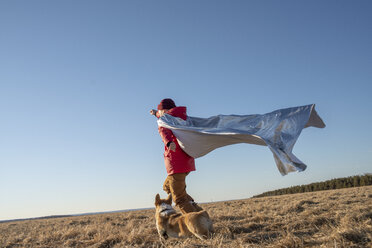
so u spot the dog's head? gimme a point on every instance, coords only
(163, 209)
(163, 206)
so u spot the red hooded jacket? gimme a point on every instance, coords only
(176, 161)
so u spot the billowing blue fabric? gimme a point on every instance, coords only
(278, 130)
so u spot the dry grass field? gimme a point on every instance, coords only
(335, 218)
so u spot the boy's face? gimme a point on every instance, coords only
(160, 113)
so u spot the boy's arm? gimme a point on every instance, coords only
(155, 113)
(166, 135)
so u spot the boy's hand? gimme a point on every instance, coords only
(153, 112)
(172, 146)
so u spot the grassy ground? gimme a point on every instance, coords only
(335, 218)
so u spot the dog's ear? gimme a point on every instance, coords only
(157, 199)
(169, 199)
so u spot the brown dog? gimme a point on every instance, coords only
(171, 224)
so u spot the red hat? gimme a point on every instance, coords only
(166, 103)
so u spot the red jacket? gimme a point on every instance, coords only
(177, 161)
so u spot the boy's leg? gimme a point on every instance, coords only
(177, 187)
(166, 185)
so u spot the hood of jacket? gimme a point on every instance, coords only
(178, 112)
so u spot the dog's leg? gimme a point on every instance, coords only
(203, 234)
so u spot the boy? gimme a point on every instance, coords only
(177, 162)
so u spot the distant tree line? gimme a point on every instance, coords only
(339, 183)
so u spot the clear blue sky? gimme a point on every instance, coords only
(78, 78)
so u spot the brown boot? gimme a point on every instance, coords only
(186, 207)
(196, 206)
